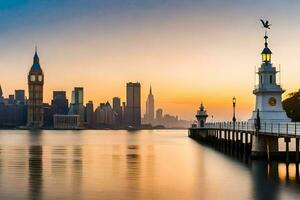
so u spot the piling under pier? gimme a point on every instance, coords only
(247, 144)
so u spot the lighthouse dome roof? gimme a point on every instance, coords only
(266, 50)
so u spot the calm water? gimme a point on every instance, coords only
(162, 164)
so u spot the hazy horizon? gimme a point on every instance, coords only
(189, 51)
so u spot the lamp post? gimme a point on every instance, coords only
(233, 118)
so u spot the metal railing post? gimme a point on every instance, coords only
(272, 128)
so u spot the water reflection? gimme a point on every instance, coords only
(35, 171)
(119, 165)
(35, 164)
(277, 172)
(1, 161)
(77, 171)
(265, 184)
(133, 161)
(59, 160)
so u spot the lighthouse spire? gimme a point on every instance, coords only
(266, 53)
(266, 39)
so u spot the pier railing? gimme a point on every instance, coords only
(288, 129)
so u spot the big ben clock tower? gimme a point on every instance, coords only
(35, 101)
(268, 92)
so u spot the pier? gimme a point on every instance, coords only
(242, 139)
(262, 136)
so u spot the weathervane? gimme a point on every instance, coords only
(265, 24)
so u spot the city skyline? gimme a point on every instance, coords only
(17, 109)
(189, 49)
(75, 97)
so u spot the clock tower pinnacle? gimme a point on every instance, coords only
(35, 87)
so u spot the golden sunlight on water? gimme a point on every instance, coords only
(163, 164)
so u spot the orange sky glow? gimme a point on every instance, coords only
(187, 54)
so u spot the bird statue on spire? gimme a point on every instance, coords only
(265, 24)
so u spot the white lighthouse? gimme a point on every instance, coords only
(268, 92)
(201, 116)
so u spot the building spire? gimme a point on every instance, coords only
(150, 89)
(36, 59)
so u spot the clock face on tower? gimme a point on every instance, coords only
(272, 101)
(32, 77)
(40, 78)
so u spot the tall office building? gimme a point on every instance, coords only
(149, 115)
(105, 116)
(35, 88)
(123, 113)
(11, 99)
(20, 96)
(116, 103)
(89, 114)
(59, 95)
(11, 113)
(133, 107)
(48, 116)
(77, 107)
(77, 95)
(118, 109)
(59, 103)
(159, 116)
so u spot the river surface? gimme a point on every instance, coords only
(164, 164)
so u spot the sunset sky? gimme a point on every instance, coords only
(190, 51)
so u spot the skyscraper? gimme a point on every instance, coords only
(20, 96)
(59, 103)
(11, 99)
(116, 103)
(77, 95)
(133, 107)
(105, 116)
(118, 109)
(149, 115)
(159, 116)
(123, 113)
(35, 88)
(89, 114)
(77, 107)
